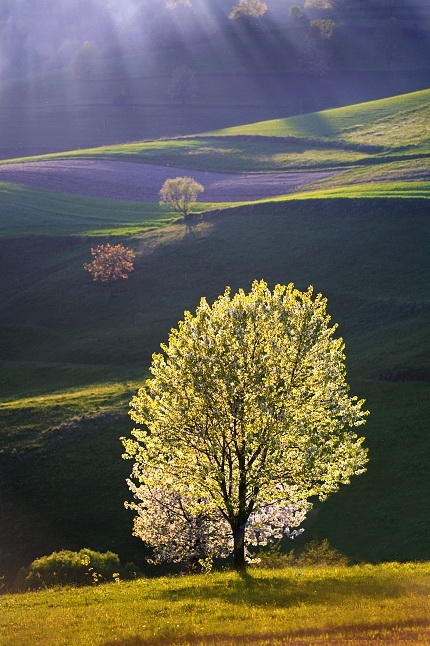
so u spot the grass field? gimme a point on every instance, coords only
(33, 211)
(385, 604)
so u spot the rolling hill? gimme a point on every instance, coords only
(72, 356)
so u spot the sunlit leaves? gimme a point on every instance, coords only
(248, 408)
(180, 193)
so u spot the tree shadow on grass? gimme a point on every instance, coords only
(281, 592)
(366, 633)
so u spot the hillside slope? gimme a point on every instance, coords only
(63, 477)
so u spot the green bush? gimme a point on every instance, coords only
(68, 568)
(320, 554)
(273, 558)
(314, 554)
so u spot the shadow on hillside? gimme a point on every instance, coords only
(401, 631)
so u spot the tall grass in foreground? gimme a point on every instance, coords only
(388, 603)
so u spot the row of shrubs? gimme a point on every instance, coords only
(87, 567)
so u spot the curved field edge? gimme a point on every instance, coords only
(289, 606)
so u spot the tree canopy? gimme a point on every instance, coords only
(111, 262)
(248, 9)
(180, 193)
(247, 410)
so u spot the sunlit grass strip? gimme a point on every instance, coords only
(359, 191)
(406, 170)
(127, 151)
(26, 421)
(241, 154)
(318, 606)
(84, 397)
(400, 190)
(370, 190)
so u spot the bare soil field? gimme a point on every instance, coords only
(118, 180)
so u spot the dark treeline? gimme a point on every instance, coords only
(37, 36)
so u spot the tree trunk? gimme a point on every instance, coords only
(239, 562)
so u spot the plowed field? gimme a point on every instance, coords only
(129, 181)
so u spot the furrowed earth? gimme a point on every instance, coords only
(135, 182)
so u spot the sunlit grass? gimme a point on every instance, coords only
(406, 170)
(376, 122)
(29, 421)
(318, 606)
(370, 190)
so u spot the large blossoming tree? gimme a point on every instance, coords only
(247, 414)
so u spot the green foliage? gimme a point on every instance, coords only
(35, 211)
(86, 61)
(183, 84)
(66, 568)
(180, 193)
(322, 28)
(320, 554)
(314, 554)
(247, 411)
(296, 12)
(274, 557)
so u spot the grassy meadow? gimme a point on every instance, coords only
(296, 606)
(72, 356)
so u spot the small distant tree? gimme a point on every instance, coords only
(317, 53)
(180, 193)
(248, 9)
(323, 28)
(183, 84)
(296, 12)
(111, 262)
(319, 5)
